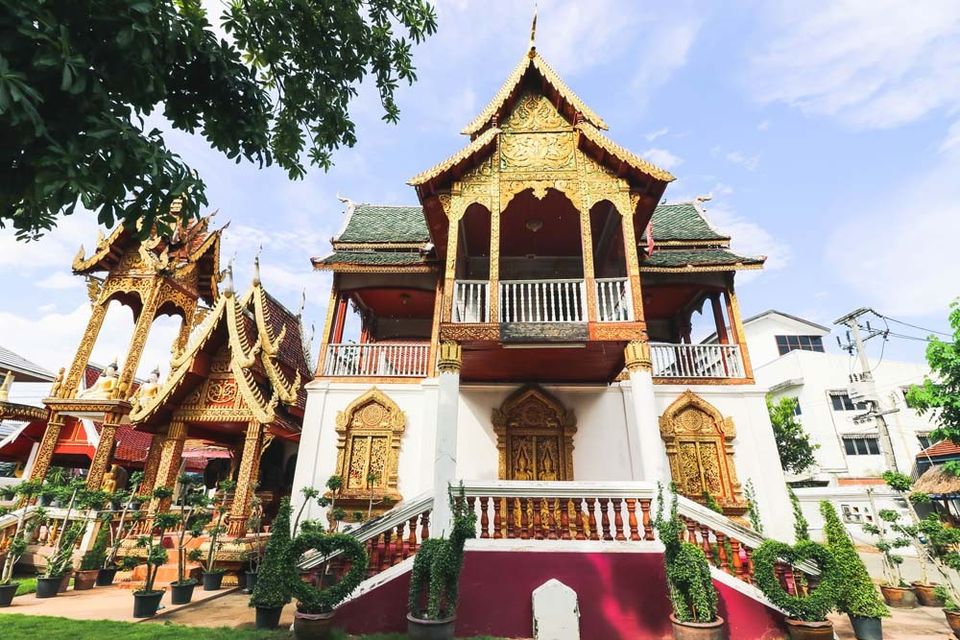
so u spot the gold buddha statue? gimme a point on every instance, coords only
(105, 386)
(150, 388)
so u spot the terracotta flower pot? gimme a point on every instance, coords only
(313, 626)
(697, 630)
(953, 619)
(419, 629)
(899, 597)
(84, 580)
(804, 630)
(926, 595)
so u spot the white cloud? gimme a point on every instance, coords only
(747, 237)
(952, 141)
(878, 63)
(764, 126)
(653, 135)
(662, 158)
(59, 280)
(899, 251)
(748, 162)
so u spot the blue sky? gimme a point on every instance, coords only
(828, 135)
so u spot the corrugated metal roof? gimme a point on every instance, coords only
(23, 370)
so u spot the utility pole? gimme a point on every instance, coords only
(865, 383)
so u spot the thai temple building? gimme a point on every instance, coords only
(526, 332)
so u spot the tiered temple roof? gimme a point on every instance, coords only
(378, 236)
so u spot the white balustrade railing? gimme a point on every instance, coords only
(471, 301)
(613, 300)
(696, 360)
(395, 359)
(542, 301)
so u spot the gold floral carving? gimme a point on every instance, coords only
(47, 445)
(539, 151)
(534, 112)
(534, 436)
(469, 332)
(699, 446)
(369, 434)
(637, 356)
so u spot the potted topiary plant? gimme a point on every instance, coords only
(436, 574)
(59, 564)
(190, 523)
(692, 594)
(858, 598)
(272, 589)
(313, 619)
(17, 547)
(924, 589)
(941, 544)
(146, 600)
(254, 555)
(806, 616)
(896, 592)
(92, 561)
(212, 578)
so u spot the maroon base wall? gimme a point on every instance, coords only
(621, 595)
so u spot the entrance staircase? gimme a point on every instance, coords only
(596, 537)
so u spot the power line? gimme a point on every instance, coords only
(913, 326)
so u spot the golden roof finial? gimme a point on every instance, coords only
(533, 32)
(256, 267)
(5, 387)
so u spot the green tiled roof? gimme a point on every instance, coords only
(681, 221)
(370, 223)
(374, 258)
(665, 258)
(382, 224)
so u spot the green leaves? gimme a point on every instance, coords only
(857, 595)
(793, 443)
(277, 570)
(76, 80)
(818, 602)
(311, 599)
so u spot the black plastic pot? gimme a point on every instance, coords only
(866, 628)
(7, 591)
(182, 593)
(268, 617)
(48, 587)
(251, 577)
(105, 577)
(212, 581)
(146, 603)
(419, 629)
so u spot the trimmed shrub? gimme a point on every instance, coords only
(857, 594)
(277, 571)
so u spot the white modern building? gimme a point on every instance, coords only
(797, 358)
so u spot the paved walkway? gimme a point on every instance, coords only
(922, 623)
(232, 610)
(102, 603)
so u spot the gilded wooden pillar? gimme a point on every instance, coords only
(435, 330)
(138, 341)
(736, 323)
(246, 480)
(171, 457)
(326, 334)
(104, 454)
(454, 211)
(50, 436)
(494, 302)
(151, 465)
(82, 356)
(183, 336)
(632, 257)
(718, 319)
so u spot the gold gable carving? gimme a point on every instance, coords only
(539, 151)
(369, 433)
(534, 436)
(699, 446)
(534, 112)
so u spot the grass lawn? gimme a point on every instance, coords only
(27, 585)
(17, 626)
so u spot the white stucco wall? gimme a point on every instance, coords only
(606, 444)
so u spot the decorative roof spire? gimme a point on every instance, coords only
(228, 279)
(533, 33)
(256, 267)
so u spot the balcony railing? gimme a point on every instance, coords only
(696, 360)
(614, 303)
(471, 301)
(401, 360)
(542, 301)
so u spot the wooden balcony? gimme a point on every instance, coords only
(389, 360)
(543, 301)
(696, 361)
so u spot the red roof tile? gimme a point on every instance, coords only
(940, 449)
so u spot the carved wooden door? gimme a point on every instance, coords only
(535, 437)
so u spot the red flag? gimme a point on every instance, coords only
(649, 234)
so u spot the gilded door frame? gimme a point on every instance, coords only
(512, 419)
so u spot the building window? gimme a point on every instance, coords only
(796, 407)
(862, 446)
(924, 439)
(786, 344)
(855, 514)
(841, 402)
